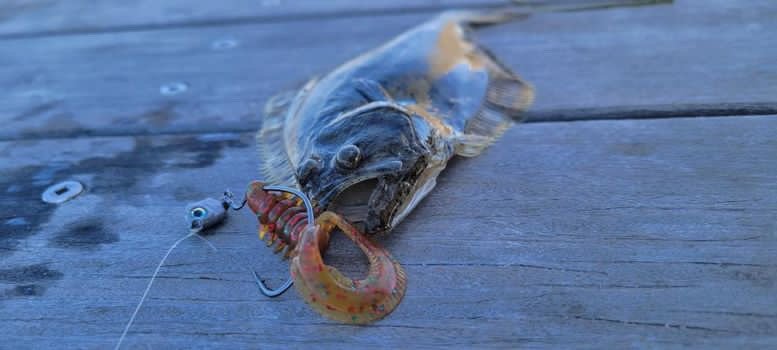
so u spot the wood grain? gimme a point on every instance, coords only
(603, 234)
(33, 18)
(687, 59)
(657, 233)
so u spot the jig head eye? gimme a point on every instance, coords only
(205, 214)
(348, 156)
(199, 212)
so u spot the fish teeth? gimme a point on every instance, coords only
(272, 239)
(288, 252)
(279, 247)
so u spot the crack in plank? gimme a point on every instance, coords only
(656, 324)
(508, 265)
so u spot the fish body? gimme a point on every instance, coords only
(372, 136)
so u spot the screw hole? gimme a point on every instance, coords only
(61, 192)
(225, 44)
(173, 88)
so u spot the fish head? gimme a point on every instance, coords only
(365, 164)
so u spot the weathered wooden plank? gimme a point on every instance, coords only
(605, 233)
(606, 64)
(26, 18)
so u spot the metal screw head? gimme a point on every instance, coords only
(62, 192)
(173, 88)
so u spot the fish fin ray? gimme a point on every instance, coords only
(371, 90)
(275, 167)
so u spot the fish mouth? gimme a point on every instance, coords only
(377, 200)
(325, 193)
(352, 202)
(369, 202)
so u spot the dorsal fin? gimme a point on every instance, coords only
(275, 167)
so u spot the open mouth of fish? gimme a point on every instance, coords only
(353, 201)
(375, 204)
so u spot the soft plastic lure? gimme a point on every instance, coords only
(284, 223)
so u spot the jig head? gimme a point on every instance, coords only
(210, 212)
(205, 214)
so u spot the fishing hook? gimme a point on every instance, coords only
(229, 202)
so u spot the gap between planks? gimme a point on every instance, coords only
(236, 21)
(725, 110)
(520, 5)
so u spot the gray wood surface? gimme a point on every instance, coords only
(598, 234)
(610, 234)
(690, 58)
(32, 18)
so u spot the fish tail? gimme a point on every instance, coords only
(507, 94)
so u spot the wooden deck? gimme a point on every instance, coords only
(637, 209)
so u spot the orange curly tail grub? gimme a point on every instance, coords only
(340, 298)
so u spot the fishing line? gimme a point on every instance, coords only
(201, 216)
(156, 272)
(150, 283)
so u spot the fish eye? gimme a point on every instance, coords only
(348, 156)
(308, 167)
